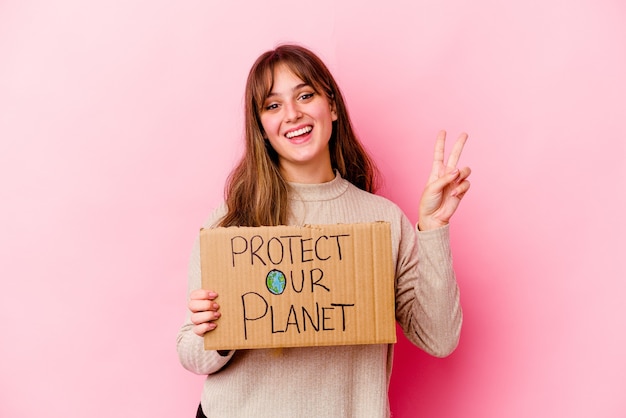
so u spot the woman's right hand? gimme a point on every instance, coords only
(204, 311)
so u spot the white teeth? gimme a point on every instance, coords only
(299, 132)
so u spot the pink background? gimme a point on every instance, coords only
(120, 120)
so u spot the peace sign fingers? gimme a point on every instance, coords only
(441, 168)
(446, 185)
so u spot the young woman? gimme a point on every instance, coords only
(304, 165)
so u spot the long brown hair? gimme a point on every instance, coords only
(256, 193)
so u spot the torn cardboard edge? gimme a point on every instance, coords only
(296, 286)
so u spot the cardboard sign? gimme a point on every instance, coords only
(290, 286)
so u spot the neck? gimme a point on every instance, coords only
(308, 174)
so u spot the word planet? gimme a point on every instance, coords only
(276, 282)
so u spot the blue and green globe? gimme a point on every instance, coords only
(276, 282)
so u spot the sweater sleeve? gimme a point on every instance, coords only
(427, 296)
(190, 346)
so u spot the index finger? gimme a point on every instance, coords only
(457, 149)
(202, 294)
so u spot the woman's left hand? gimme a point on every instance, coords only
(446, 186)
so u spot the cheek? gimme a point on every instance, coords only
(327, 114)
(269, 125)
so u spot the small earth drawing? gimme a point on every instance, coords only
(276, 282)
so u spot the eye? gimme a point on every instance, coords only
(271, 106)
(306, 96)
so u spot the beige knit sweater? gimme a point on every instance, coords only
(337, 381)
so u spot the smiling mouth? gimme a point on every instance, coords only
(301, 131)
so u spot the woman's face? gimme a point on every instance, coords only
(298, 123)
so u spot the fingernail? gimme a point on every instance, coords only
(216, 306)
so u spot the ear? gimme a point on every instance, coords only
(333, 110)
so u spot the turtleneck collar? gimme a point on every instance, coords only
(321, 191)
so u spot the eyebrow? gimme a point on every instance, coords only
(298, 87)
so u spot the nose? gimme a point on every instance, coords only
(292, 112)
